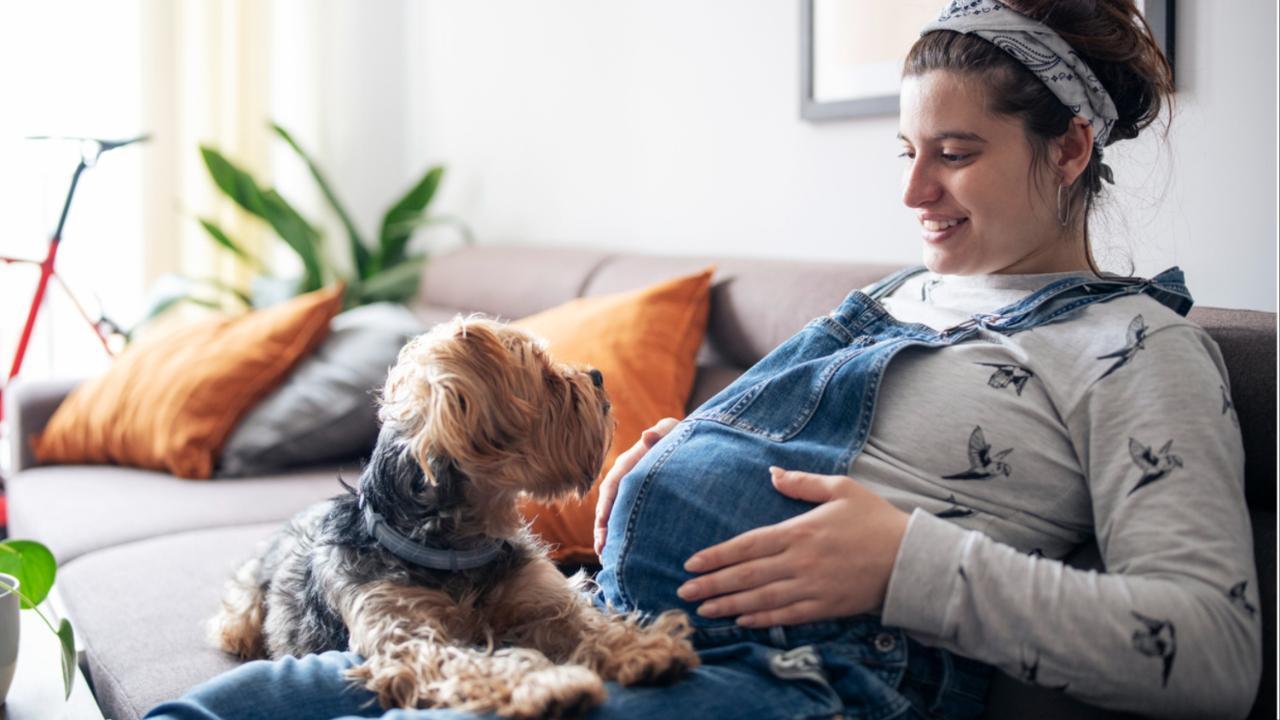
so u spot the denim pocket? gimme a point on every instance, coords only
(780, 405)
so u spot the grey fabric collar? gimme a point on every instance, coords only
(1042, 51)
(426, 556)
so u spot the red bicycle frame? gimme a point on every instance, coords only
(102, 328)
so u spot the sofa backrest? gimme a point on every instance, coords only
(758, 303)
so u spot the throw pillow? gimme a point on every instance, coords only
(645, 342)
(326, 409)
(169, 402)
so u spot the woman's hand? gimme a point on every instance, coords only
(622, 466)
(832, 561)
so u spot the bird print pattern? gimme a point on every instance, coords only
(1031, 672)
(983, 465)
(1239, 599)
(956, 510)
(1007, 374)
(1135, 336)
(1228, 407)
(1154, 465)
(1156, 638)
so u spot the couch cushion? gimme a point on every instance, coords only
(507, 282)
(326, 409)
(644, 342)
(75, 509)
(170, 401)
(756, 304)
(142, 647)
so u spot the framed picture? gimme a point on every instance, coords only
(851, 51)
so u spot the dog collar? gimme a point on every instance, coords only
(417, 553)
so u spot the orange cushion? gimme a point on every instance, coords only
(169, 402)
(646, 343)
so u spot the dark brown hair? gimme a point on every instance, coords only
(1112, 38)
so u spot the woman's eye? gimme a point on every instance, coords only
(906, 154)
(953, 157)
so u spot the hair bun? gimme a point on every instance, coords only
(1115, 41)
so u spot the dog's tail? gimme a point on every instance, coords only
(237, 628)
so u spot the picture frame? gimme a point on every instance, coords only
(850, 66)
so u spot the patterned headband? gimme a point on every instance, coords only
(1042, 51)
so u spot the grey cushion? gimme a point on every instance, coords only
(76, 509)
(140, 609)
(326, 409)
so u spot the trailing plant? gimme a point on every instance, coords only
(34, 567)
(383, 270)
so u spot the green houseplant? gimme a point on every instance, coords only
(34, 567)
(385, 269)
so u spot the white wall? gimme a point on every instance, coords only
(673, 126)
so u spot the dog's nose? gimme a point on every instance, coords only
(597, 377)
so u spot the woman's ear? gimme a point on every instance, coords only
(1073, 150)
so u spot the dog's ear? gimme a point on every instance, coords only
(460, 391)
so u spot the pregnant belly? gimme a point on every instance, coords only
(703, 484)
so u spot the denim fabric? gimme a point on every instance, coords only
(846, 669)
(808, 405)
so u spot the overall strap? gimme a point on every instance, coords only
(1066, 296)
(886, 285)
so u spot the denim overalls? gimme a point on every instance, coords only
(808, 405)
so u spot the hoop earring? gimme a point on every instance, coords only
(1064, 210)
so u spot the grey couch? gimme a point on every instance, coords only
(144, 554)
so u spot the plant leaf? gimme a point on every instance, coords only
(299, 235)
(358, 249)
(464, 231)
(221, 286)
(234, 182)
(33, 566)
(68, 638)
(397, 223)
(271, 207)
(395, 284)
(222, 239)
(171, 289)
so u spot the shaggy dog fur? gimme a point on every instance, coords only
(474, 414)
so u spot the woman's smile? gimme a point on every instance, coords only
(940, 229)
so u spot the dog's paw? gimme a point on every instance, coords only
(395, 684)
(562, 691)
(660, 653)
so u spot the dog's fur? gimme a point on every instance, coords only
(474, 414)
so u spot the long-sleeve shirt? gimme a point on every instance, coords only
(1114, 425)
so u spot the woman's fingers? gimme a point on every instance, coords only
(757, 543)
(735, 578)
(765, 599)
(623, 465)
(651, 436)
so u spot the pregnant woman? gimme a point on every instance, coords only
(874, 517)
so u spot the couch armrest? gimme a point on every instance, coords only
(28, 405)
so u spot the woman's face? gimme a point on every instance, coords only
(969, 179)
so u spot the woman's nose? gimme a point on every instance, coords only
(919, 188)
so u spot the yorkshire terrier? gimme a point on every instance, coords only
(427, 570)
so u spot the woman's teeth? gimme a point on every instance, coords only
(939, 225)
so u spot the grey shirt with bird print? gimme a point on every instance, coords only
(1011, 452)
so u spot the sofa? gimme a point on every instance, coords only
(144, 555)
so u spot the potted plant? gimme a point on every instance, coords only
(384, 269)
(30, 569)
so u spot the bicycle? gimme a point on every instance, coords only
(91, 150)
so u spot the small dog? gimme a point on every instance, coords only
(428, 571)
